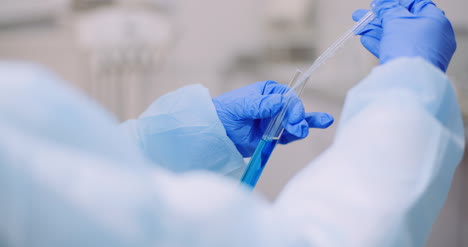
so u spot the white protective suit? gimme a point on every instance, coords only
(68, 177)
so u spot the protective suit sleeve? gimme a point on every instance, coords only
(181, 132)
(387, 174)
(67, 178)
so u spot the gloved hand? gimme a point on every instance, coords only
(408, 28)
(245, 114)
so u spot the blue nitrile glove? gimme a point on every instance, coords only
(246, 112)
(408, 28)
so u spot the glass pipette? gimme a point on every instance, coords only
(275, 127)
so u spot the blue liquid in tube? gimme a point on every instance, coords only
(258, 161)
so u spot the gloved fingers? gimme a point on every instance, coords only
(295, 112)
(372, 44)
(418, 6)
(294, 123)
(319, 120)
(358, 14)
(388, 10)
(262, 106)
(376, 33)
(299, 131)
(288, 138)
(428, 8)
(408, 4)
(272, 87)
(293, 132)
(371, 33)
(368, 28)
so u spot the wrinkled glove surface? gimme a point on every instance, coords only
(408, 28)
(246, 112)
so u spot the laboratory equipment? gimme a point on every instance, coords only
(275, 128)
(123, 55)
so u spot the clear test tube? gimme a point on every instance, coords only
(273, 133)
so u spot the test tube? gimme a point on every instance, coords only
(272, 135)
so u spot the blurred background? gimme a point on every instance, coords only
(126, 53)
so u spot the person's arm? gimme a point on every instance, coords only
(387, 174)
(67, 181)
(186, 130)
(71, 182)
(68, 178)
(181, 131)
